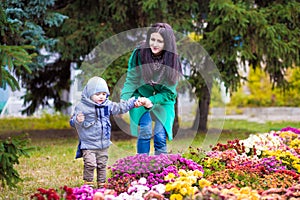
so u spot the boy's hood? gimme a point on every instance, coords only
(94, 85)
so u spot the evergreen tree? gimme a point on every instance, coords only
(92, 22)
(26, 22)
(264, 33)
(251, 31)
(14, 58)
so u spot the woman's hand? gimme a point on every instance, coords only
(143, 101)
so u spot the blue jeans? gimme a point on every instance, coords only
(145, 134)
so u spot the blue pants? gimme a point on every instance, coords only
(145, 134)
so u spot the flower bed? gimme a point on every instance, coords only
(263, 166)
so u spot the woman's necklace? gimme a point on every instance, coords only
(156, 65)
(157, 62)
(159, 78)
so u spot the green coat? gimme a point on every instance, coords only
(163, 98)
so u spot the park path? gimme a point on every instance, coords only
(261, 115)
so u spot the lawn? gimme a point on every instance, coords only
(52, 164)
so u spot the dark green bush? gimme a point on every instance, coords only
(11, 149)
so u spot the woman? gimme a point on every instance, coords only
(153, 71)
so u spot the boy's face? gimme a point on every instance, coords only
(99, 97)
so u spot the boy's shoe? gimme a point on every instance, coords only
(101, 185)
(90, 184)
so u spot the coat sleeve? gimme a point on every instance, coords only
(72, 121)
(123, 106)
(132, 78)
(164, 95)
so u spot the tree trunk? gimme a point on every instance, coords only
(200, 122)
(176, 122)
(65, 96)
(203, 107)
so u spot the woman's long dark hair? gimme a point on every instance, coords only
(170, 62)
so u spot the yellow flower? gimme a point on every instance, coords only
(182, 172)
(203, 183)
(184, 179)
(255, 196)
(169, 187)
(243, 193)
(192, 179)
(297, 167)
(169, 177)
(243, 196)
(192, 190)
(209, 161)
(295, 143)
(288, 135)
(286, 157)
(183, 191)
(176, 197)
(177, 185)
(198, 173)
(245, 190)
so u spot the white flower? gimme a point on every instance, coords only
(160, 188)
(131, 189)
(247, 150)
(248, 143)
(134, 183)
(111, 197)
(137, 196)
(258, 152)
(142, 181)
(123, 195)
(142, 188)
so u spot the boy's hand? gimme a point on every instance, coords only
(139, 102)
(80, 117)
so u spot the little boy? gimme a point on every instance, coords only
(91, 119)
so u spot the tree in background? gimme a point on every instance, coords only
(252, 31)
(258, 91)
(14, 58)
(237, 31)
(92, 22)
(22, 37)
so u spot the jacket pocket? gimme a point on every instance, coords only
(88, 124)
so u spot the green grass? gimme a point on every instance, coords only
(253, 127)
(46, 121)
(52, 164)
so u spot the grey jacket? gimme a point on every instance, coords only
(95, 131)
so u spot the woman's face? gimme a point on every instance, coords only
(156, 43)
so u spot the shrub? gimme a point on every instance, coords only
(10, 151)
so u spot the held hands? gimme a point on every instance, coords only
(143, 101)
(80, 117)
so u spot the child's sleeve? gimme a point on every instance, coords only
(72, 121)
(123, 106)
